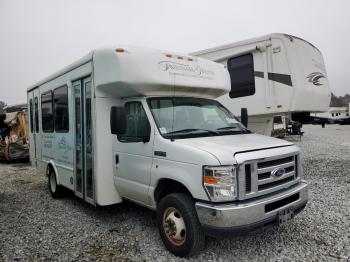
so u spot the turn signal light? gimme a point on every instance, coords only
(210, 180)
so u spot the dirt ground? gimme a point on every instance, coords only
(34, 226)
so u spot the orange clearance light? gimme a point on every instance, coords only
(120, 50)
(180, 57)
(168, 55)
(210, 180)
(190, 59)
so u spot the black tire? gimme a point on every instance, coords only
(194, 238)
(56, 191)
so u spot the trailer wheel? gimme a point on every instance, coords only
(55, 190)
(179, 226)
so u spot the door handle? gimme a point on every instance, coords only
(116, 159)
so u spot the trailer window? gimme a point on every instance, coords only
(31, 115)
(47, 122)
(36, 112)
(241, 71)
(137, 125)
(60, 97)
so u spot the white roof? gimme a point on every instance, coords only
(64, 70)
(140, 71)
(247, 42)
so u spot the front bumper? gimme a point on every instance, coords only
(250, 214)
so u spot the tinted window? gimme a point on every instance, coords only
(36, 112)
(241, 71)
(278, 120)
(137, 125)
(31, 115)
(47, 112)
(61, 109)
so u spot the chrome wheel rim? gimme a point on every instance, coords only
(174, 226)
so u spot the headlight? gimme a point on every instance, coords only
(220, 182)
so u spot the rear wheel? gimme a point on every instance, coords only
(55, 189)
(179, 226)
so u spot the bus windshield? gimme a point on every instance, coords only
(184, 117)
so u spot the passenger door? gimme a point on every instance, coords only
(84, 158)
(31, 127)
(37, 135)
(133, 154)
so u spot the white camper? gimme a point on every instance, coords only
(277, 74)
(332, 116)
(143, 125)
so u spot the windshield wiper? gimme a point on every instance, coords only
(226, 127)
(189, 130)
(242, 131)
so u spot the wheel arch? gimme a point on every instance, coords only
(166, 186)
(51, 167)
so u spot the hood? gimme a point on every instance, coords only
(225, 147)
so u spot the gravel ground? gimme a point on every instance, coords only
(33, 226)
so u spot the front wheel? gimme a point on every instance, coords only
(179, 226)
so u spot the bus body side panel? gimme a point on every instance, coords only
(58, 147)
(105, 190)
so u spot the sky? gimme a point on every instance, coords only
(39, 37)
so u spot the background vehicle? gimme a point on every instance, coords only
(273, 75)
(141, 124)
(334, 115)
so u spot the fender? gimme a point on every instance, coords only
(54, 169)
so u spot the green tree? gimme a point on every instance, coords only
(2, 105)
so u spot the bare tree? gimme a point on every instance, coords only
(2, 105)
(338, 101)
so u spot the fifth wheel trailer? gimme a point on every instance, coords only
(141, 124)
(276, 74)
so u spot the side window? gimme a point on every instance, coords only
(36, 114)
(60, 97)
(47, 122)
(31, 115)
(137, 125)
(241, 71)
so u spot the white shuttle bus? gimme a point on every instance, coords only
(143, 125)
(272, 75)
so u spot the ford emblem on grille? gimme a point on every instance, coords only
(278, 172)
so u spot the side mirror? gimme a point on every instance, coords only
(118, 120)
(244, 116)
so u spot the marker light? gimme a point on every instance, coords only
(120, 50)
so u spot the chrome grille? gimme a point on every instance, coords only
(260, 175)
